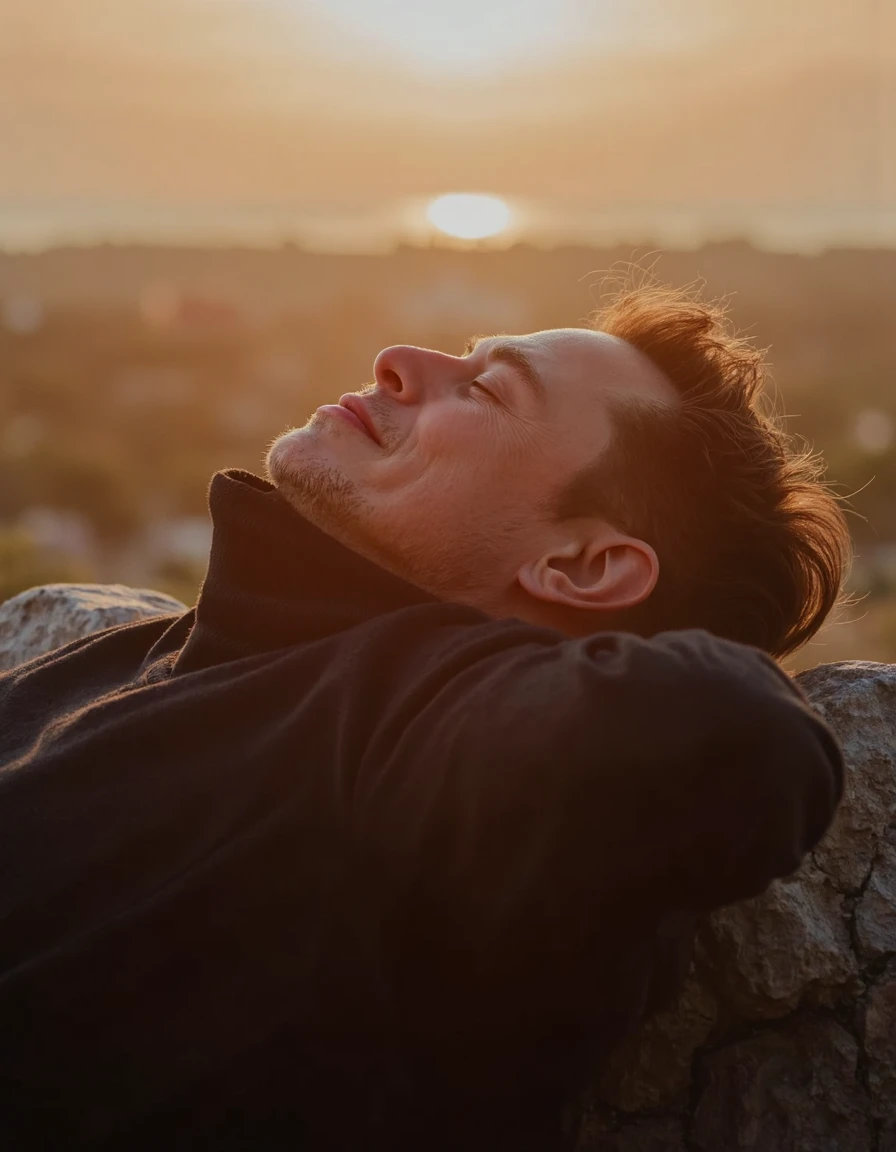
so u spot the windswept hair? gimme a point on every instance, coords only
(752, 544)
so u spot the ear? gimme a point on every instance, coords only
(608, 573)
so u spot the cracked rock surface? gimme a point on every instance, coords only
(784, 1036)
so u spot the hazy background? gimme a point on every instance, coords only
(213, 215)
(331, 119)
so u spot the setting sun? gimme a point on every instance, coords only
(469, 216)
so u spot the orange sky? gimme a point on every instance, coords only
(611, 103)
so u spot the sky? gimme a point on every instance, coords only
(191, 114)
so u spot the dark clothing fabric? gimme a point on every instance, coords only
(330, 864)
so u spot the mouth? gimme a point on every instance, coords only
(356, 407)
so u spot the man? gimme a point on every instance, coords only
(388, 841)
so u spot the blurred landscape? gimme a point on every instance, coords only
(130, 374)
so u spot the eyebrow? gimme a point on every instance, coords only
(516, 358)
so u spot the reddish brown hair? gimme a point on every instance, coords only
(752, 545)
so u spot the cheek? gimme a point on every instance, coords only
(479, 441)
(454, 431)
(466, 456)
(449, 446)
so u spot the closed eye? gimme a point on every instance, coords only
(481, 387)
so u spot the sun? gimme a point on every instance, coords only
(469, 215)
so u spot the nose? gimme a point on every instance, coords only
(410, 374)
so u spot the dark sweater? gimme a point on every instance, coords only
(330, 864)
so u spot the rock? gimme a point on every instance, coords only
(653, 1069)
(41, 619)
(876, 910)
(786, 946)
(784, 1036)
(788, 1089)
(859, 702)
(878, 1029)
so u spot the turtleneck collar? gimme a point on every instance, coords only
(275, 579)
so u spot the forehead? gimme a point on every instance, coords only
(584, 364)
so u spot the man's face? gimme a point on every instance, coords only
(453, 491)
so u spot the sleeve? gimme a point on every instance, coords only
(683, 770)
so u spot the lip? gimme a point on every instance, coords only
(345, 414)
(358, 409)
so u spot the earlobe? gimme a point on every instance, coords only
(607, 575)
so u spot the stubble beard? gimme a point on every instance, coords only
(318, 491)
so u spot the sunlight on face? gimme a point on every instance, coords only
(468, 216)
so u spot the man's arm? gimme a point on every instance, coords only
(684, 771)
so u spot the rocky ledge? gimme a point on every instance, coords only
(784, 1037)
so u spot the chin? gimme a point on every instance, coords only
(313, 483)
(295, 456)
(284, 456)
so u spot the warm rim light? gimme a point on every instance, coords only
(469, 216)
